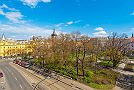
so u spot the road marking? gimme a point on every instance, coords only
(20, 86)
(8, 69)
(15, 78)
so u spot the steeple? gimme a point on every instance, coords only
(3, 37)
(53, 34)
(132, 35)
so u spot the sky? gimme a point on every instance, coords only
(21, 19)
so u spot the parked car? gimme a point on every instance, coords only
(16, 61)
(125, 81)
(1, 74)
(25, 63)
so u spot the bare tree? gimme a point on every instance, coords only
(115, 48)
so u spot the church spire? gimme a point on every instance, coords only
(3, 37)
(53, 34)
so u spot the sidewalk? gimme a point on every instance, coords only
(61, 83)
(123, 72)
(117, 88)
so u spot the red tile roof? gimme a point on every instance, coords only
(132, 39)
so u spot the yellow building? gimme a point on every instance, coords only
(10, 47)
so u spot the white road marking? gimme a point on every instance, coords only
(20, 86)
(8, 69)
(15, 78)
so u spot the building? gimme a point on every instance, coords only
(131, 45)
(10, 47)
(53, 35)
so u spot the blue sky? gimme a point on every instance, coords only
(21, 19)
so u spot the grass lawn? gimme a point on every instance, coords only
(101, 87)
(103, 79)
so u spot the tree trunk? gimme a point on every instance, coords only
(84, 54)
(77, 62)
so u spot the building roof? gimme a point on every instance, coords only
(132, 39)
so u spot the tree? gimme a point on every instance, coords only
(75, 37)
(115, 48)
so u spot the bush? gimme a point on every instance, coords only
(72, 74)
(128, 67)
(89, 74)
(100, 86)
(101, 80)
(106, 63)
(87, 79)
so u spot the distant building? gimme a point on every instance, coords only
(10, 47)
(132, 38)
(102, 40)
(132, 45)
(53, 35)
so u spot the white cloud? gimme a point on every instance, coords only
(12, 14)
(4, 6)
(1, 12)
(13, 36)
(70, 22)
(100, 32)
(8, 8)
(59, 25)
(99, 29)
(73, 22)
(28, 30)
(67, 23)
(46, 1)
(14, 17)
(132, 13)
(33, 3)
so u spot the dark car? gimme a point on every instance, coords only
(16, 61)
(25, 63)
(1, 74)
(125, 81)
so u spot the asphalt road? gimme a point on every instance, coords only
(14, 79)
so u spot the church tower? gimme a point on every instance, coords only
(3, 37)
(132, 38)
(53, 35)
(132, 35)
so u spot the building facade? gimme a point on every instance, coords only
(10, 47)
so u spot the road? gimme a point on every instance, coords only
(14, 79)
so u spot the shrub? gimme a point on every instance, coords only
(87, 79)
(106, 63)
(101, 87)
(72, 74)
(101, 80)
(89, 74)
(128, 68)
